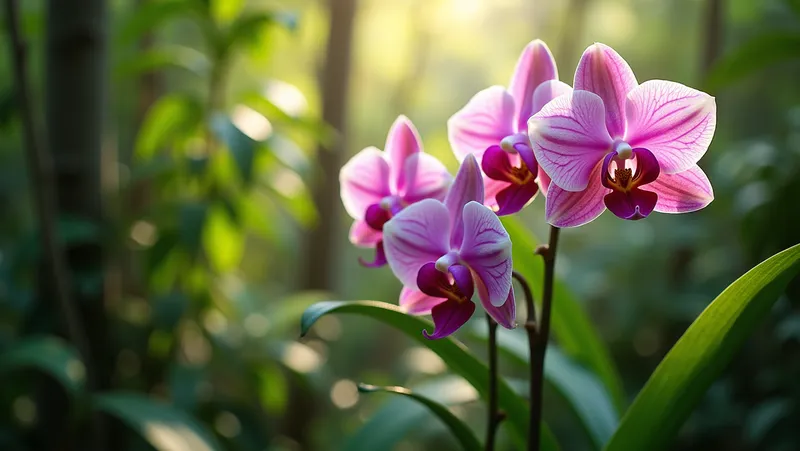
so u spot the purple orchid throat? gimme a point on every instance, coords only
(611, 136)
(443, 252)
(493, 126)
(376, 186)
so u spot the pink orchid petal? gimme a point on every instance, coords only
(486, 249)
(425, 178)
(448, 317)
(491, 188)
(467, 187)
(364, 181)
(415, 302)
(535, 66)
(569, 138)
(602, 71)
(417, 235)
(485, 120)
(683, 192)
(573, 209)
(546, 92)
(543, 180)
(506, 314)
(362, 235)
(402, 142)
(673, 121)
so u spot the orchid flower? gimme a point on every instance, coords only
(376, 185)
(493, 127)
(615, 143)
(443, 251)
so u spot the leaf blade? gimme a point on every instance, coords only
(755, 54)
(459, 360)
(460, 431)
(50, 355)
(164, 427)
(692, 365)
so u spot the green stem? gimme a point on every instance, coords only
(538, 339)
(495, 416)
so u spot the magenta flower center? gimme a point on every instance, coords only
(379, 214)
(624, 172)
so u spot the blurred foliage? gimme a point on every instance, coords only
(213, 123)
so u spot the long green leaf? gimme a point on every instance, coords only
(692, 365)
(460, 430)
(163, 426)
(162, 57)
(171, 117)
(396, 419)
(151, 15)
(754, 55)
(570, 325)
(580, 388)
(51, 355)
(458, 358)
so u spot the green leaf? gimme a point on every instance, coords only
(454, 353)
(163, 426)
(397, 418)
(170, 117)
(50, 355)
(163, 57)
(752, 56)
(241, 146)
(691, 366)
(580, 388)
(460, 431)
(223, 240)
(570, 325)
(247, 27)
(224, 11)
(153, 14)
(192, 217)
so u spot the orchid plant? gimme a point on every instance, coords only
(607, 142)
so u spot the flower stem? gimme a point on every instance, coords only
(495, 415)
(532, 329)
(538, 340)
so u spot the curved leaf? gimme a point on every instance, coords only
(572, 328)
(164, 56)
(460, 430)
(170, 117)
(458, 358)
(151, 15)
(397, 418)
(692, 365)
(752, 56)
(51, 355)
(163, 426)
(241, 146)
(247, 26)
(580, 388)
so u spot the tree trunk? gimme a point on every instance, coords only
(713, 27)
(335, 81)
(75, 68)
